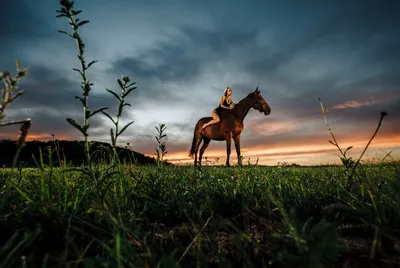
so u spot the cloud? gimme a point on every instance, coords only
(167, 62)
(168, 69)
(183, 55)
(370, 101)
(16, 14)
(49, 99)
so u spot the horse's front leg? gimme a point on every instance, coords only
(228, 149)
(237, 146)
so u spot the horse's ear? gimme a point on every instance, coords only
(256, 91)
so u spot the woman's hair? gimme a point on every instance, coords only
(229, 99)
(226, 91)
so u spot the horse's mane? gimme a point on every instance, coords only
(244, 99)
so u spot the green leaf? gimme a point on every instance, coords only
(129, 91)
(64, 32)
(91, 63)
(82, 23)
(109, 116)
(350, 147)
(74, 13)
(115, 94)
(128, 86)
(76, 125)
(120, 84)
(125, 127)
(82, 170)
(77, 70)
(86, 88)
(96, 111)
(81, 99)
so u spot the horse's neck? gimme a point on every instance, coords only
(242, 108)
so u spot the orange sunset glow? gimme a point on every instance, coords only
(316, 153)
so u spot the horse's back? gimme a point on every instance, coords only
(204, 119)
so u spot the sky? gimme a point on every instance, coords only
(182, 54)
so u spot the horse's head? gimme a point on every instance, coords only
(259, 103)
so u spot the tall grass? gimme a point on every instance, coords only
(112, 215)
(161, 149)
(250, 215)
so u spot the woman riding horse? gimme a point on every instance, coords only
(226, 102)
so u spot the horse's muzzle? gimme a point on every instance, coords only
(266, 110)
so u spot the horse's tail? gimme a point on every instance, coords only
(193, 148)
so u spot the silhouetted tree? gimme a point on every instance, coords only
(73, 151)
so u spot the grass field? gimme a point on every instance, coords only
(207, 217)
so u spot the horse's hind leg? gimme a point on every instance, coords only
(198, 141)
(237, 146)
(204, 147)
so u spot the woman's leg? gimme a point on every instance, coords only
(215, 120)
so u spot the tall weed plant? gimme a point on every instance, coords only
(9, 93)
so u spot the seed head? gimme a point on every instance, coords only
(66, 4)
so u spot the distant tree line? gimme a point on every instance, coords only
(71, 151)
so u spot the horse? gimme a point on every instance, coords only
(229, 127)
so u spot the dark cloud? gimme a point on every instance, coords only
(175, 64)
(20, 25)
(48, 88)
(172, 65)
(365, 116)
(350, 30)
(180, 63)
(19, 20)
(220, 39)
(304, 104)
(49, 99)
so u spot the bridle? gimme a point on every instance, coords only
(260, 104)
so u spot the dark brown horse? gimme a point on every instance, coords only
(229, 127)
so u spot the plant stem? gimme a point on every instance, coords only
(383, 114)
(80, 46)
(329, 129)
